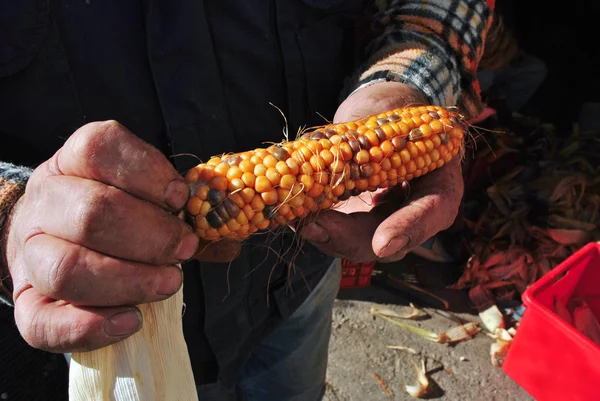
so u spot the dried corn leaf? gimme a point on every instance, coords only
(500, 347)
(416, 330)
(401, 348)
(570, 223)
(459, 333)
(492, 318)
(420, 389)
(453, 335)
(568, 237)
(393, 314)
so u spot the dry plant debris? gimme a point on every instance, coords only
(456, 334)
(419, 389)
(532, 199)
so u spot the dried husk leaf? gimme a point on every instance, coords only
(402, 348)
(492, 318)
(393, 314)
(453, 335)
(500, 347)
(417, 330)
(459, 333)
(568, 237)
(151, 365)
(420, 389)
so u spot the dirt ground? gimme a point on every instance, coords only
(358, 352)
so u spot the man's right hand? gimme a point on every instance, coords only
(95, 234)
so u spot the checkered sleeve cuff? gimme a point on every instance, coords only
(434, 46)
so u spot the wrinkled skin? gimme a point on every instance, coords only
(408, 215)
(96, 233)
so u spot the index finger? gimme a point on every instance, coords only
(109, 153)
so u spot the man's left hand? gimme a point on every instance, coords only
(405, 216)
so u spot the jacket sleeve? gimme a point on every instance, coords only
(12, 185)
(432, 45)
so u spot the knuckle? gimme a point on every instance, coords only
(31, 325)
(59, 274)
(95, 211)
(93, 141)
(75, 334)
(172, 238)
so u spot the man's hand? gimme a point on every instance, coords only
(407, 216)
(96, 233)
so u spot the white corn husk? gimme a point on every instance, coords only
(151, 365)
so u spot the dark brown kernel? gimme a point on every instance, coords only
(281, 154)
(394, 117)
(269, 212)
(398, 143)
(213, 219)
(232, 209)
(366, 170)
(329, 133)
(380, 134)
(317, 135)
(453, 120)
(415, 134)
(364, 142)
(354, 145)
(354, 172)
(233, 160)
(382, 121)
(444, 137)
(351, 134)
(215, 196)
(346, 195)
(223, 212)
(434, 115)
(356, 192)
(344, 138)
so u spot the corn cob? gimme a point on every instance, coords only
(235, 195)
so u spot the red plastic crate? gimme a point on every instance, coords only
(356, 275)
(549, 358)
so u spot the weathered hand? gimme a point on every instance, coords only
(407, 216)
(95, 234)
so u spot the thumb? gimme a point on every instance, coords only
(430, 208)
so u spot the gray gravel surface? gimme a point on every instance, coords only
(358, 352)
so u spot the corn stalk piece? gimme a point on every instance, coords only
(151, 365)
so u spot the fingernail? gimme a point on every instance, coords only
(123, 323)
(315, 233)
(396, 244)
(187, 247)
(170, 282)
(177, 194)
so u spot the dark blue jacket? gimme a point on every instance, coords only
(193, 77)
